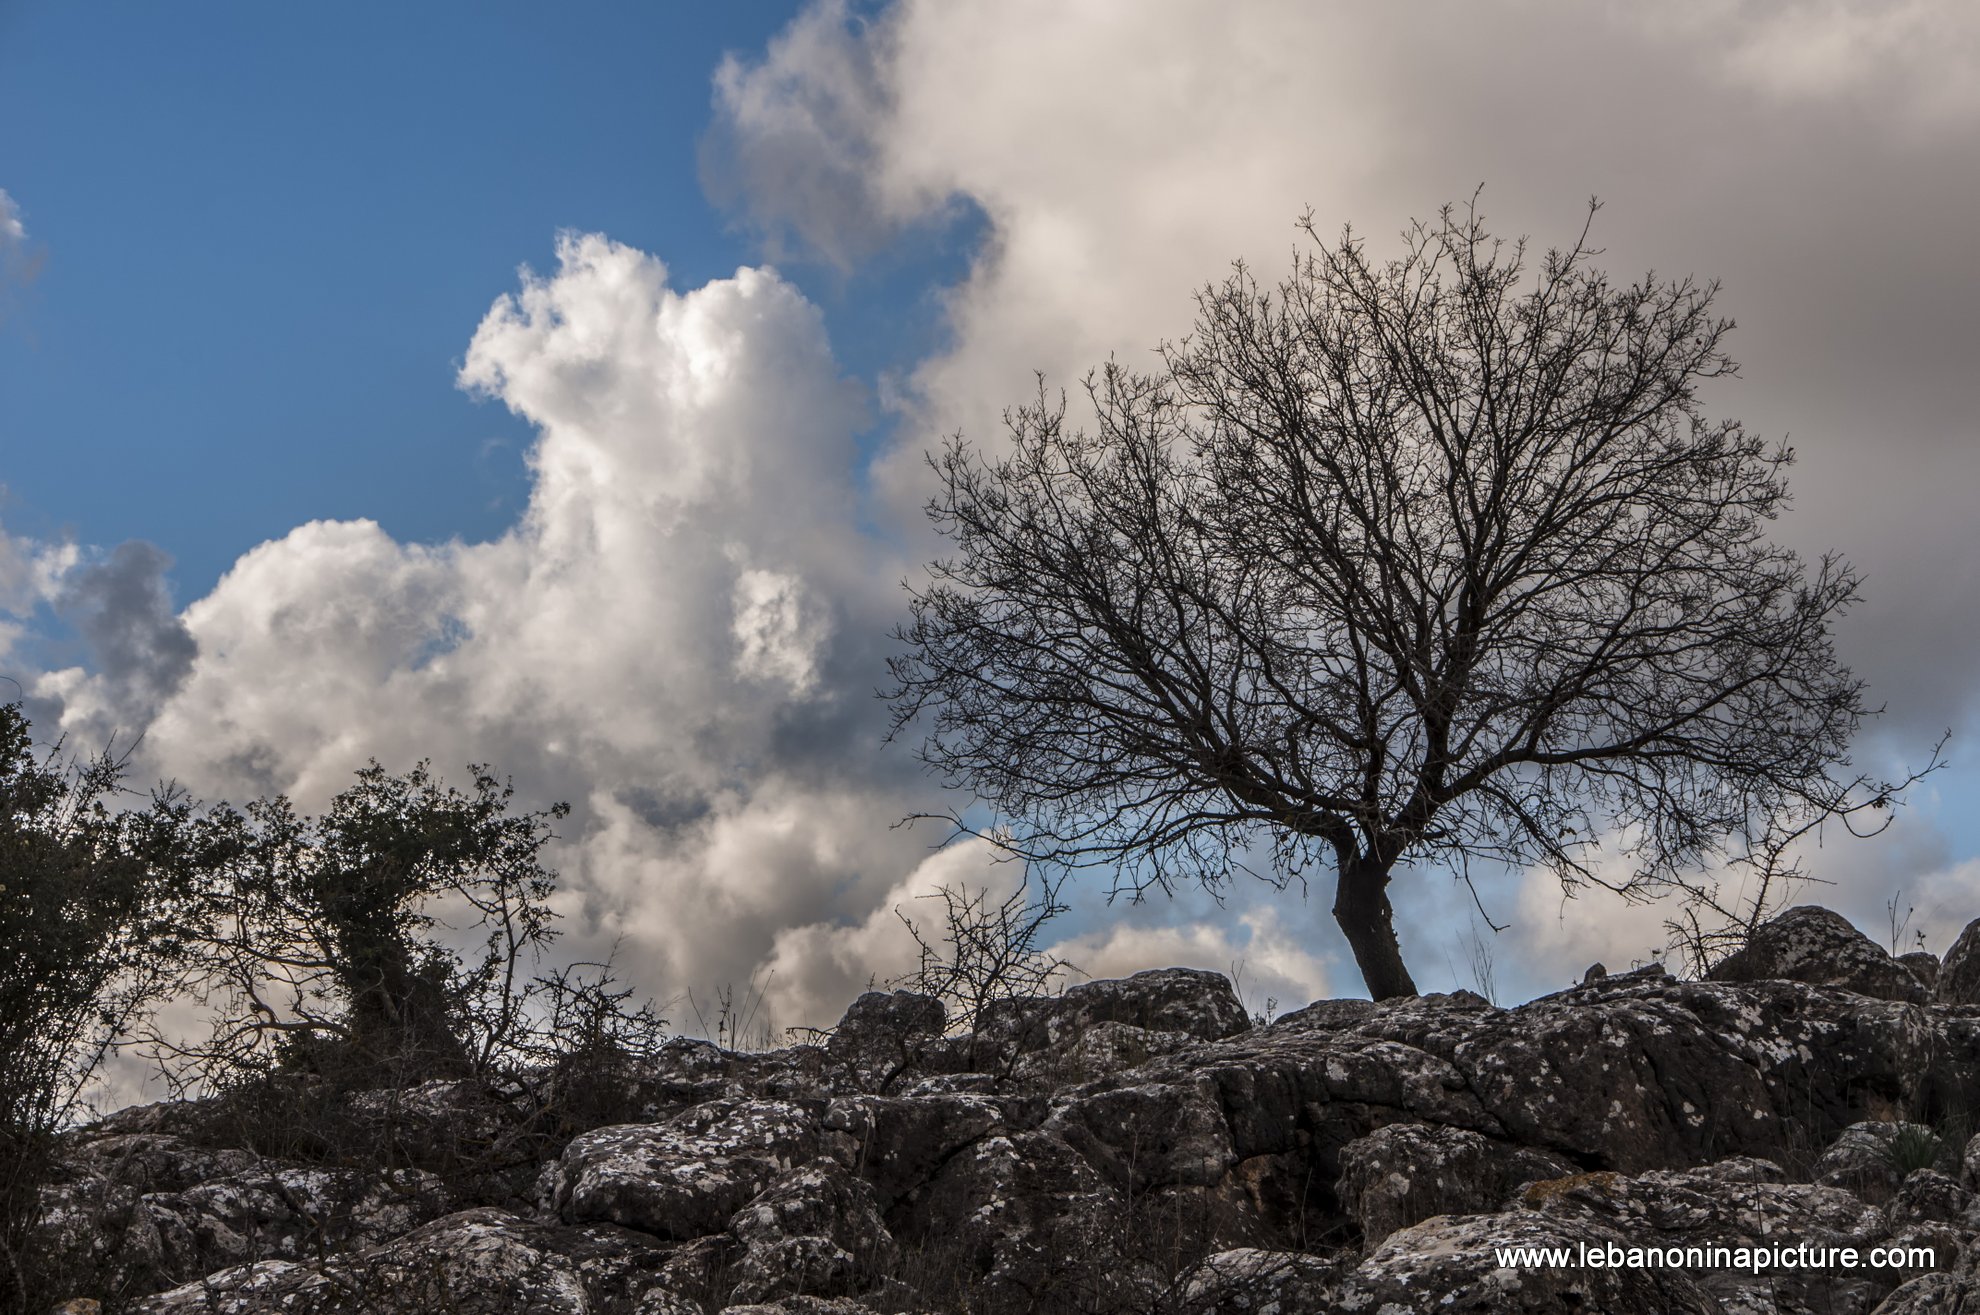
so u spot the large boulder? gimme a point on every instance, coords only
(1959, 973)
(478, 1262)
(883, 1033)
(1452, 1265)
(817, 1231)
(1820, 947)
(1872, 1158)
(900, 1143)
(1191, 1001)
(686, 1177)
(1026, 1220)
(1925, 966)
(1407, 1172)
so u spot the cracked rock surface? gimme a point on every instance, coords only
(1133, 1146)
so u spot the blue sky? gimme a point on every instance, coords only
(265, 314)
(266, 232)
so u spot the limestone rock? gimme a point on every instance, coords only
(683, 1178)
(1131, 1146)
(1820, 947)
(1959, 974)
(1449, 1266)
(1867, 1158)
(1249, 1280)
(1925, 966)
(479, 1262)
(1934, 1294)
(1926, 1196)
(1407, 1172)
(818, 1231)
(1188, 1000)
(1732, 1203)
(883, 1032)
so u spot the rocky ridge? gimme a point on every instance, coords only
(1135, 1145)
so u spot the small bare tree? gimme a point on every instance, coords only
(1401, 563)
(988, 950)
(1722, 909)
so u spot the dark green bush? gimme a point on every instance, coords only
(88, 901)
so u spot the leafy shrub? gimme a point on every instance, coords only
(315, 943)
(86, 949)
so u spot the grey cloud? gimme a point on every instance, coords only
(1817, 158)
(1797, 152)
(796, 139)
(140, 649)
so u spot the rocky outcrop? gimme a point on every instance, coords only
(1925, 966)
(1131, 1146)
(1958, 980)
(1408, 1172)
(1820, 947)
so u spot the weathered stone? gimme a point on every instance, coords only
(1329, 1015)
(479, 1262)
(1867, 1158)
(883, 1033)
(1450, 1266)
(1926, 1196)
(1639, 1081)
(1188, 1000)
(1250, 1281)
(143, 1241)
(1098, 1051)
(1820, 947)
(1407, 1172)
(1149, 1135)
(157, 1162)
(1739, 1202)
(1924, 965)
(1934, 1294)
(817, 1231)
(1131, 1146)
(1959, 974)
(1024, 1216)
(900, 1143)
(683, 1178)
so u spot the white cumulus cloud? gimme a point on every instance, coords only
(655, 639)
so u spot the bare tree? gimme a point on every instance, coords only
(988, 951)
(1412, 562)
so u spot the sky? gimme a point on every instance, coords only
(549, 388)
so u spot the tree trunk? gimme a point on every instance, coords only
(1361, 907)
